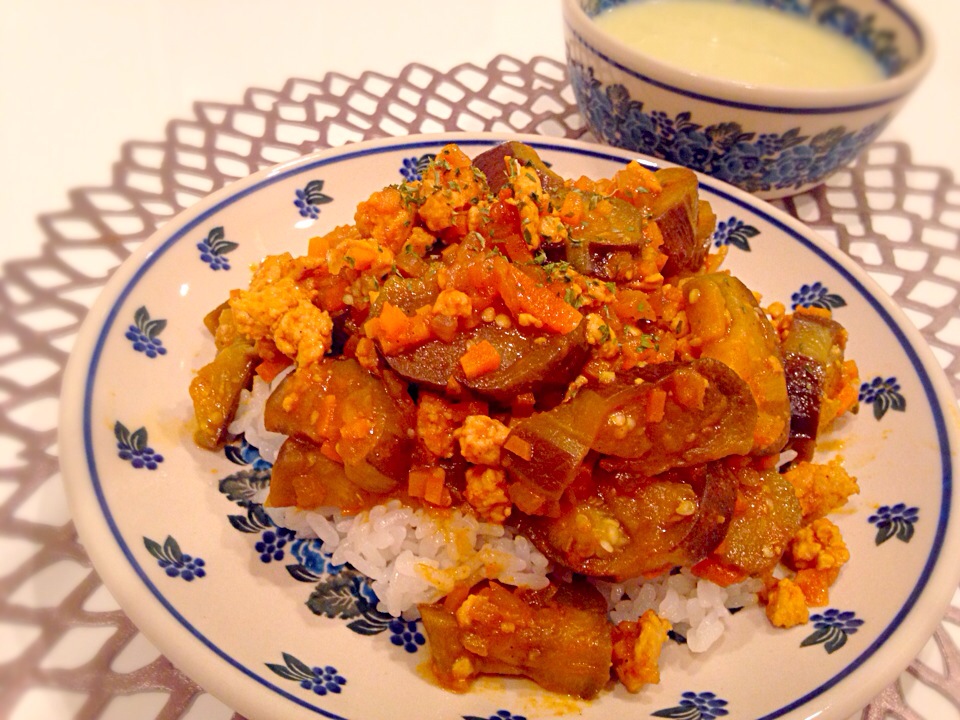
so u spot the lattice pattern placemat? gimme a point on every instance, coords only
(60, 632)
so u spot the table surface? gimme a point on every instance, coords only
(85, 87)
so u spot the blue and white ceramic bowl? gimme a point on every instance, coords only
(771, 141)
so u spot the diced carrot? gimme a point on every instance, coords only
(584, 183)
(318, 246)
(325, 423)
(639, 176)
(454, 157)
(435, 489)
(393, 321)
(522, 294)
(480, 359)
(571, 212)
(328, 448)
(815, 585)
(360, 255)
(656, 403)
(396, 330)
(813, 310)
(716, 571)
(518, 446)
(429, 484)
(269, 369)
(417, 481)
(689, 388)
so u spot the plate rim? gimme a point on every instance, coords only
(92, 519)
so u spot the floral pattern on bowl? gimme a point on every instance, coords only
(770, 141)
(752, 161)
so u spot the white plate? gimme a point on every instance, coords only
(149, 506)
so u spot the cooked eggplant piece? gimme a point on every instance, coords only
(530, 361)
(556, 443)
(684, 415)
(678, 415)
(608, 240)
(340, 403)
(677, 209)
(302, 476)
(408, 294)
(211, 320)
(558, 637)
(813, 357)
(632, 525)
(307, 389)
(215, 391)
(805, 388)
(731, 327)
(768, 515)
(492, 164)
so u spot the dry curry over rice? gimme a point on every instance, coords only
(564, 357)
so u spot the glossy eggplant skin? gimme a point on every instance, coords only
(338, 403)
(559, 637)
(813, 353)
(608, 240)
(708, 413)
(492, 163)
(768, 515)
(703, 412)
(631, 525)
(215, 391)
(303, 476)
(685, 222)
(732, 328)
(531, 361)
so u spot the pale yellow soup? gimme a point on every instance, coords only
(744, 42)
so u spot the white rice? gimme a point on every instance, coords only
(698, 609)
(249, 418)
(417, 556)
